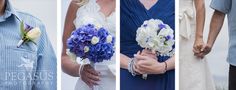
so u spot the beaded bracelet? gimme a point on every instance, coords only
(130, 67)
(165, 67)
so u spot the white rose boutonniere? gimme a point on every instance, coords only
(28, 33)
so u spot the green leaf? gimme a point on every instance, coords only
(22, 29)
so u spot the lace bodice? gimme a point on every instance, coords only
(90, 13)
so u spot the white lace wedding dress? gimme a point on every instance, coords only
(90, 13)
(194, 73)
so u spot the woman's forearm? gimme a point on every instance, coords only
(170, 63)
(70, 67)
(124, 60)
(200, 18)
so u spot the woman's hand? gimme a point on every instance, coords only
(149, 53)
(198, 48)
(148, 65)
(89, 75)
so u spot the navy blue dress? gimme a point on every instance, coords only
(133, 14)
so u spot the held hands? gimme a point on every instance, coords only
(147, 63)
(89, 75)
(201, 49)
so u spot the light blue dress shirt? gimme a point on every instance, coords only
(228, 7)
(30, 67)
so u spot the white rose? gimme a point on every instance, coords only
(34, 33)
(86, 49)
(109, 39)
(95, 40)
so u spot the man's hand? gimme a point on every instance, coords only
(206, 49)
(202, 51)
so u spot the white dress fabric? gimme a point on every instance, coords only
(90, 13)
(194, 72)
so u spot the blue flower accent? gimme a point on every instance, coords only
(145, 25)
(161, 26)
(168, 37)
(82, 37)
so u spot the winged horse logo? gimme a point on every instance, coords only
(27, 63)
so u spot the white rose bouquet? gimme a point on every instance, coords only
(156, 36)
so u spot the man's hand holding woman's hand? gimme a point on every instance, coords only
(201, 49)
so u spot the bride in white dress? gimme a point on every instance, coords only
(194, 70)
(98, 12)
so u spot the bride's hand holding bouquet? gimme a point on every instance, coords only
(90, 43)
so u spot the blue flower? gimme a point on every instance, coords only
(161, 26)
(82, 37)
(28, 27)
(145, 25)
(168, 37)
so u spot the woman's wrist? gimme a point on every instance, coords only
(124, 61)
(198, 38)
(131, 67)
(199, 35)
(161, 68)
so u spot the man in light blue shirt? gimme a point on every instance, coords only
(32, 66)
(223, 8)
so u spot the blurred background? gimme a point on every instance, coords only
(45, 10)
(217, 58)
(67, 82)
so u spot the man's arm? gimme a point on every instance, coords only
(215, 26)
(45, 76)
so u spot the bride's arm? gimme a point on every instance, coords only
(67, 65)
(124, 61)
(200, 20)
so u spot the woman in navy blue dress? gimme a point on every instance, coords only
(133, 14)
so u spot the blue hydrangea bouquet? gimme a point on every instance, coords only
(91, 42)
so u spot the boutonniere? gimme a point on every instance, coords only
(28, 33)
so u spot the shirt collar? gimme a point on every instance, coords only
(8, 12)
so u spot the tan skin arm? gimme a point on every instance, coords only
(67, 65)
(200, 18)
(124, 60)
(200, 21)
(2, 7)
(215, 27)
(171, 63)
